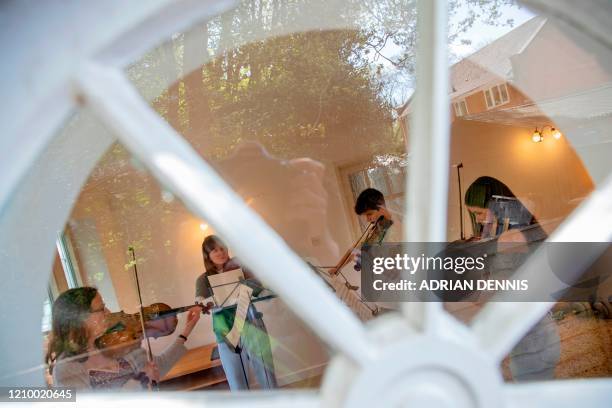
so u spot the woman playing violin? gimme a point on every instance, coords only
(78, 319)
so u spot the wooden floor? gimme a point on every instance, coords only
(194, 371)
(585, 338)
(585, 343)
(586, 347)
(313, 382)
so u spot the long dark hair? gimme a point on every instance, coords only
(210, 243)
(484, 192)
(69, 335)
(481, 191)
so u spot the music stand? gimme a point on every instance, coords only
(224, 287)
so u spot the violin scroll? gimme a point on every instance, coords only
(206, 308)
(374, 233)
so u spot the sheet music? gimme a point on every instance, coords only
(346, 295)
(244, 299)
(350, 298)
(224, 286)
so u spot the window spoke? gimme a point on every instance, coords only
(559, 394)
(428, 168)
(271, 399)
(184, 173)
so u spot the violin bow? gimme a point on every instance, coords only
(153, 383)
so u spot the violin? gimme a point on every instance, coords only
(125, 333)
(376, 236)
(373, 234)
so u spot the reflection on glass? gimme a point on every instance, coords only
(509, 189)
(253, 345)
(300, 108)
(122, 209)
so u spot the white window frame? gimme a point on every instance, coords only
(65, 252)
(458, 105)
(98, 81)
(52, 293)
(349, 200)
(490, 94)
(68, 261)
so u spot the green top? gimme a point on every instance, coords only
(222, 322)
(254, 332)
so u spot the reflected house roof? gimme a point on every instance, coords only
(564, 81)
(589, 105)
(492, 63)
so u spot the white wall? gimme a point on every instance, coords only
(548, 177)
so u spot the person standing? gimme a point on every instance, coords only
(254, 347)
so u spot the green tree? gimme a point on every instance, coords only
(297, 91)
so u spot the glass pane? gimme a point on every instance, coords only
(125, 226)
(378, 180)
(289, 104)
(46, 320)
(281, 98)
(504, 93)
(488, 98)
(261, 102)
(358, 183)
(510, 190)
(496, 96)
(397, 178)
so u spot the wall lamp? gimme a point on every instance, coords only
(538, 135)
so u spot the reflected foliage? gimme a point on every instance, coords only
(293, 92)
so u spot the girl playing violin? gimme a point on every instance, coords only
(78, 319)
